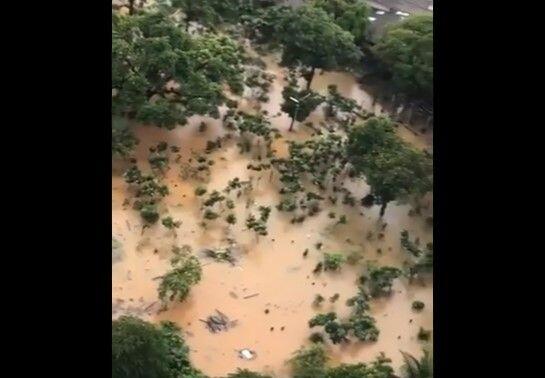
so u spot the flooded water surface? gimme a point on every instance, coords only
(270, 289)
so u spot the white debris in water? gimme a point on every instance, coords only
(399, 13)
(246, 354)
(371, 19)
(380, 12)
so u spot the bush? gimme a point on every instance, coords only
(333, 261)
(149, 213)
(169, 223)
(200, 191)
(176, 283)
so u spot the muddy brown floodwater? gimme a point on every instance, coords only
(273, 266)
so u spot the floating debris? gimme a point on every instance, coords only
(233, 295)
(220, 254)
(219, 322)
(251, 296)
(247, 354)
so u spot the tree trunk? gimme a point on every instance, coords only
(291, 125)
(410, 115)
(311, 76)
(383, 208)
(131, 7)
(187, 20)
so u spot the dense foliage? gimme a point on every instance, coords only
(351, 15)
(142, 350)
(123, 140)
(307, 102)
(406, 49)
(162, 75)
(312, 363)
(148, 192)
(381, 279)
(175, 284)
(394, 170)
(311, 38)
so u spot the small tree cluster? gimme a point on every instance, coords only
(421, 259)
(307, 101)
(159, 156)
(259, 226)
(359, 323)
(148, 193)
(170, 223)
(311, 362)
(175, 284)
(380, 279)
(333, 261)
(253, 129)
(340, 107)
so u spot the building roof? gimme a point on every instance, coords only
(406, 6)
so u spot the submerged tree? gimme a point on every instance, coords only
(299, 103)
(148, 191)
(175, 284)
(333, 261)
(394, 170)
(381, 279)
(406, 49)
(161, 75)
(311, 38)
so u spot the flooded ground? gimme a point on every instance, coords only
(273, 267)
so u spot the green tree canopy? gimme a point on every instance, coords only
(139, 350)
(311, 38)
(175, 284)
(150, 52)
(202, 11)
(143, 350)
(406, 50)
(308, 101)
(351, 15)
(394, 170)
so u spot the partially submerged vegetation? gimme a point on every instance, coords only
(178, 59)
(311, 362)
(175, 284)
